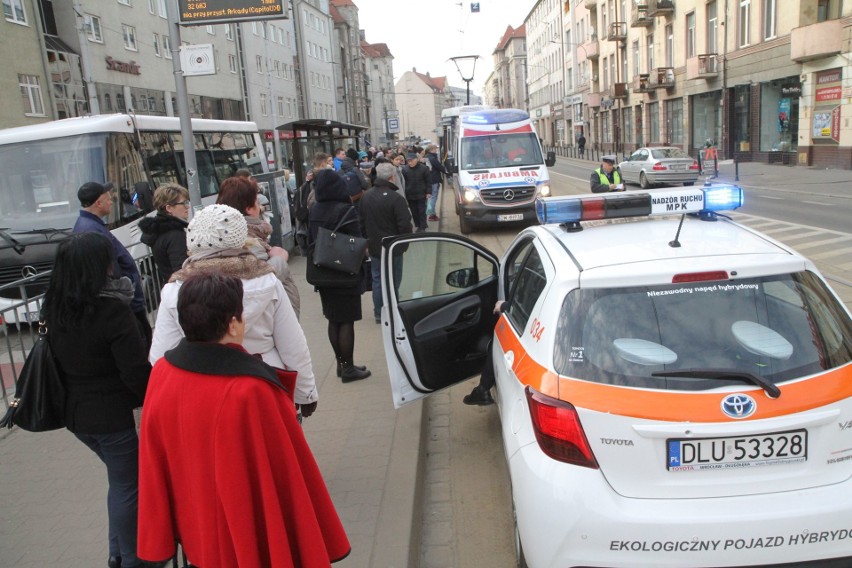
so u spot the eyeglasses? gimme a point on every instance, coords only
(185, 203)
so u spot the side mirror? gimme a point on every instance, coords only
(550, 161)
(450, 166)
(463, 278)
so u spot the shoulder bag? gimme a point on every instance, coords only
(39, 403)
(338, 251)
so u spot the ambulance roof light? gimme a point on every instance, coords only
(703, 201)
(495, 116)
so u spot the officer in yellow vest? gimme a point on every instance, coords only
(606, 178)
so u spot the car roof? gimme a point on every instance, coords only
(627, 241)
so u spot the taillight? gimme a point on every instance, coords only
(558, 430)
(694, 165)
(658, 167)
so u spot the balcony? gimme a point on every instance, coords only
(617, 31)
(705, 66)
(591, 4)
(618, 91)
(593, 100)
(816, 41)
(642, 84)
(660, 8)
(640, 18)
(592, 49)
(665, 77)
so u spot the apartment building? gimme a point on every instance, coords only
(380, 91)
(420, 99)
(545, 70)
(767, 80)
(510, 58)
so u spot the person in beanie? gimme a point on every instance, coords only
(341, 306)
(216, 239)
(96, 203)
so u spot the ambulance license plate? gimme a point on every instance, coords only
(737, 451)
(512, 217)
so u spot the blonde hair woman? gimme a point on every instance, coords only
(165, 232)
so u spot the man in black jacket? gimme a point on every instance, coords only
(385, 214)
(417, 186)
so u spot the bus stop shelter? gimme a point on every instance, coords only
(319, 135)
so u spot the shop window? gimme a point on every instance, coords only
(742, 128)
(653, 122)
(674, 117)
(779, 117)
(706, 120)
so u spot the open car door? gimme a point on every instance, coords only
(438, 292)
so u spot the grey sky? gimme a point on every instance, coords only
(425, 33)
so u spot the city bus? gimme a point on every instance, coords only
(496, 161)
(43, 165)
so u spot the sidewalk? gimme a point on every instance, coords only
(53, 489)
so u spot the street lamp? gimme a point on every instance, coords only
(466, 65)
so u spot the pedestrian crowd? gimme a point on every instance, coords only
(197, 419)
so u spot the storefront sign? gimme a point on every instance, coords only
(830, 76)
(282, 135)
(835, 124)
(791, 91)
(829, 94)
(573, 100)
(115, 65)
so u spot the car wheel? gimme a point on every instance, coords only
(457, 208)
(688, 183)
(464, 224)
(520, 559)
(643, 181)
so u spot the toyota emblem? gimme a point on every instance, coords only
(508, 195)
(28, 271)
(739, 405)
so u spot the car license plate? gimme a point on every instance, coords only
(512, 217)
(678, 167)
(737, 451)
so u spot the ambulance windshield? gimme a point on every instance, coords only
(500, 151)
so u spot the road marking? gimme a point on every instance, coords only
(766, 196)
(818, 203)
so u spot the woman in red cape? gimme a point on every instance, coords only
(224, 466)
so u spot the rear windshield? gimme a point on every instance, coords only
(779, 327)
(661, 153)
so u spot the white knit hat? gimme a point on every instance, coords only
(216, 227)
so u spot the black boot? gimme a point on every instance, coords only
(114, 562)
(352, 372)
(340, 367)
(479, 397)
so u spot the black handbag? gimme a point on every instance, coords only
(39, 403)
(339, 251)
(327, 278)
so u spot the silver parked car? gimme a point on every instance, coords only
(649, 166)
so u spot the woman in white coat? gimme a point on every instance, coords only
(216, 240)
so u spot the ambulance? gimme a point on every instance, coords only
(674, 389)
(498, 168)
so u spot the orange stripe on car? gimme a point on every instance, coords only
(671, 406)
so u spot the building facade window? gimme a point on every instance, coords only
(125, 2)
(650, 53)
(690, 35)
(263, 109)
(14, 11)
(706, 122)
(653, 122)
(232, 63)
(779, 115)
(229, 32)
(674, 121)
(167, 46)
(161, 9)
(157, 45)
(742, 118)
(129, 33)
(606, 134)
(743, 23)
(31, 95)
(670, 45)
(768, 13)
(711, 26)
(635, 58)
(152, 6)
(211, 30)
(93, 28)
(628, 126)
(258, 63)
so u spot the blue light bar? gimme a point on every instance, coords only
(496, 116)
(559, 210)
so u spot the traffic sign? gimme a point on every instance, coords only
(393, 125)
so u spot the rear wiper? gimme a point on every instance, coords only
(721, 374)
(19, 248)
